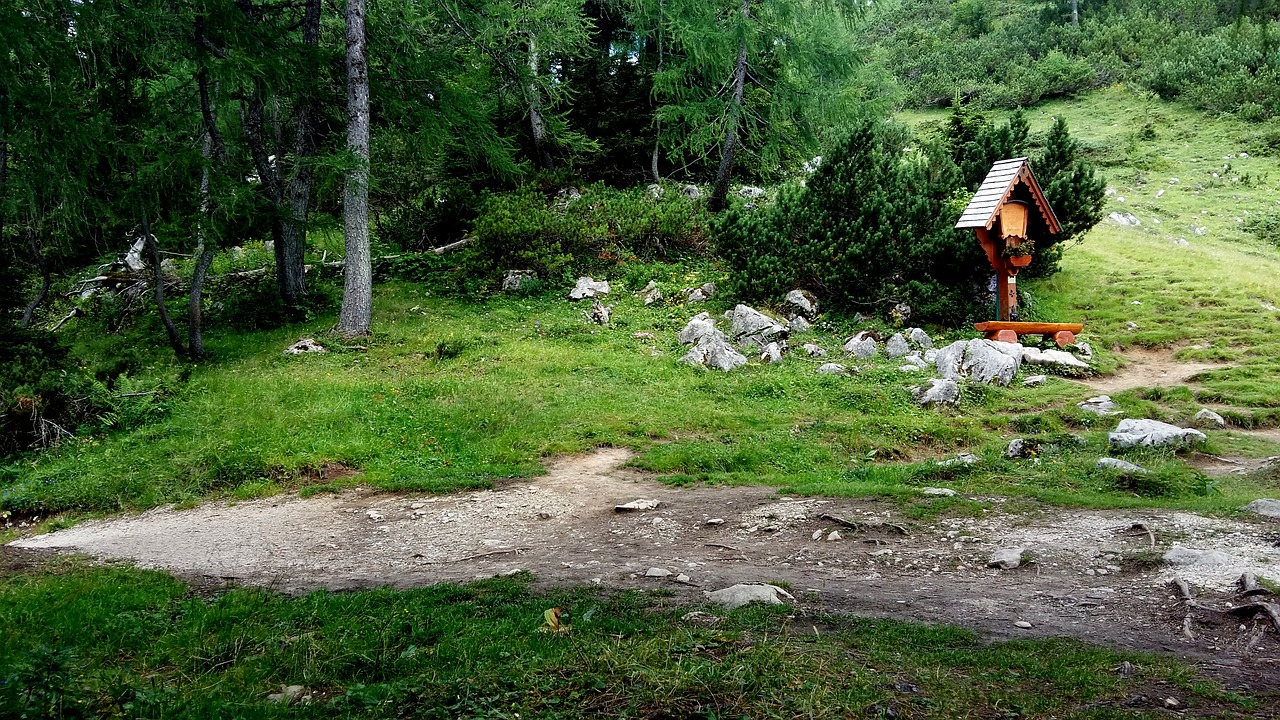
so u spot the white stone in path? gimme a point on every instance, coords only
(1183, 556)
(1006, 559)
(1265, 507)
(736, 596)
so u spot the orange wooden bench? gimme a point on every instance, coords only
(1063, 334)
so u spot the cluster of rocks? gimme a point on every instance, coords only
(981, 361)
(750, 330)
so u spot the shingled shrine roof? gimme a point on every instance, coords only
(995, 190)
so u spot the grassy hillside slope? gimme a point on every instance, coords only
(452, 393)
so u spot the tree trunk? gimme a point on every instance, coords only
(357, 292)
(46, 280)
(204, 251)
(537, 123)
(720, 191)
(1075, 13)
(657, 136)
(157, 280)
(291, 260)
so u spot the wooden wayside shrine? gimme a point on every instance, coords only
(1010, 215)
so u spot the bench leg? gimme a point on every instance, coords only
(1064, 338)
(1007, 336)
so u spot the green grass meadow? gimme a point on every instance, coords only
(103, 642)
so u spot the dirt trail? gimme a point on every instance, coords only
(1091, 577)
(1150, 368)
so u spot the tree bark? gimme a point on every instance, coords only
(357, 292)
(46, 280)
(209, 149)
(1075, 13)
(153, 254)
(291, 257)
(720, 191)
(537, 123)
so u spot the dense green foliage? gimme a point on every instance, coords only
(577, 231)
(1220, 56)
(873, 226)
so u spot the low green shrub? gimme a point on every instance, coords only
(581, 230)
(1265, 227)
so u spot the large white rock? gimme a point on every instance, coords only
(751, 328)
(919, 338)
(801, 303)
(735, 596)
(1179, 555)
(699, 326)
(938, 391)
(832, 369)
(304, 346)
(897, 346)
(772, 352)
(714, 351)
(1100, 405)
(587, 288)
(798, 325)
(1119, 465)
(987, 364)
(1209, 418)
(1132, 433)
(813, 350)
(949, 359)
(1053, 358)
(862, 348)
(1006, 559)
(1265, 507)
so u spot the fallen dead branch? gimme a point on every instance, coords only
(445, 249)
(508, 551)
(1271, 609)
(874, 524)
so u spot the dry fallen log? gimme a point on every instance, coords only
(445, 249)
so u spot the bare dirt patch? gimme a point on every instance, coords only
(1089, 574)
(1150, 368)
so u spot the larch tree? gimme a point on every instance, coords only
(356, 316)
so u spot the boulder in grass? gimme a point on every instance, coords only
(936, 392)
(699, 326)
(897, 346)
(587, 288)
(714, 351)
(772, 352)
(798, 325)
(861, 346)
(919, 338)
(304, 346)
(1266, 507)
(1054, 358)
(1209, 418)
(1035, 381)
(813, 350)
(751, 328)
(1152, 433)
(949, 359)
(832, 369)
(1100, 405)
(801, 303)
(985, 363)
(736, 596)
(1120, 466)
